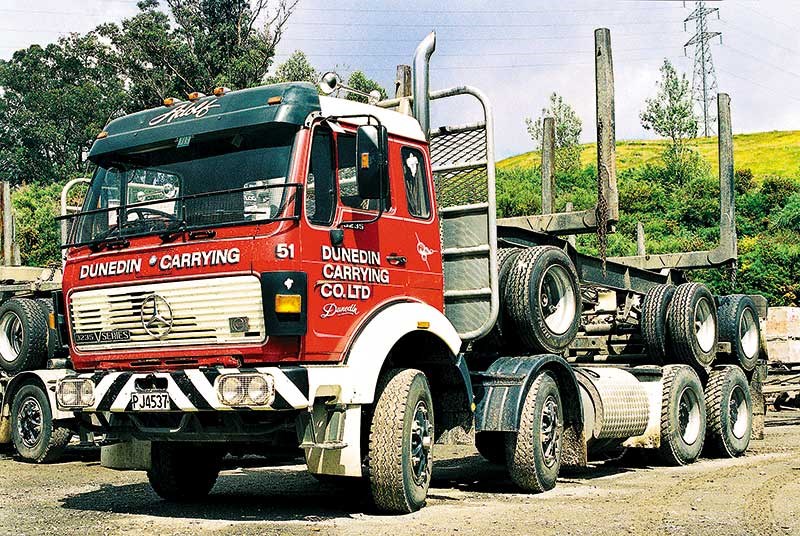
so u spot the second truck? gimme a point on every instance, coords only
(270, 268)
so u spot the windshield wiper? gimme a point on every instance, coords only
(174, 230)
(112, 239)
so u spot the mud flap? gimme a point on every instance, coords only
(332, 442)
(129, 456)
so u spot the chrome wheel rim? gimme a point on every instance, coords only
(549, 435)
(689, 416)
(738, 412)
(557, 299)
(748, 333)
(29, 422)
(704, 325)
(12, 335)
(421, 442)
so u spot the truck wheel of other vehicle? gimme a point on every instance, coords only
(730, 411)
(33, 433)
(543, 299)
(654, 320)
(47, 308)
(495, 341)
(692, 323)
(183, 472)
(23, 335)
(533, 454)
(492, 446)
(400, 442)
(738, 325)
(683, 416)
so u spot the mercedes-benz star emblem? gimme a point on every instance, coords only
(156, 316)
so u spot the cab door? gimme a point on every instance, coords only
(353, 266)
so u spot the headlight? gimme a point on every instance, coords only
(245, 389)
(75, 393)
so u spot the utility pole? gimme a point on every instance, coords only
(704, 78)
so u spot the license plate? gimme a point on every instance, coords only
(155, 401)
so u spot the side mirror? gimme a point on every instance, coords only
(372, 176)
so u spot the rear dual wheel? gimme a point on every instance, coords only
(683, 415)
(692, 326)
(739, 325)
(730, 411)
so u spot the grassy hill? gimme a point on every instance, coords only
(764, 153)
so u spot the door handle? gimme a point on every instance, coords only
(396, 260)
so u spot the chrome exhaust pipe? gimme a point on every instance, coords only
(422, 81)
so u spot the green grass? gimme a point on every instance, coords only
(764, 153)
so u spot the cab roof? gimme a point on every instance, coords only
(288, 103)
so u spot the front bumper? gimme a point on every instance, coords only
(194, 390)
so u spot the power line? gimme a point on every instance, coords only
(704, 78)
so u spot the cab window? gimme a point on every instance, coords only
(415, 178)
(320, 200)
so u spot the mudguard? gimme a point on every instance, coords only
(500, 391)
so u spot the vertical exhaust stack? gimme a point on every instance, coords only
(422, 81)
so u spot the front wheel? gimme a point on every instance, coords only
(183, 472)
(400, 443)
(533, 454)
(33, 433)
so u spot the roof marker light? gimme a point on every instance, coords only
(169, 101)
(194, 95)
(220, 91)
(102, 135)
(275, 100)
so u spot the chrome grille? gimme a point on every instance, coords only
(200, 311)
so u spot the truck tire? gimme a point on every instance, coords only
(683, 416)
(495, 341)
(543, 300)
(533, 454)
(492, 446)
(183, 472)
(692, 324)
(730, 411)
(654, 320)
(400, 442)
(23, 335)
(46, 305)
(738, 325)
(36, 438)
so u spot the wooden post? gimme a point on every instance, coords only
(570, 238)
(640, 247)
(8, 226)
(548, 165)
(727, 220)
(402, 88)
(606, 138)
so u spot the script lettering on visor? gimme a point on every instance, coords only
(198, 109)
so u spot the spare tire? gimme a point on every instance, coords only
(738, 325)
(654, 320)
(23, 335)
(692, 324)
(543, 300)
(494, 341)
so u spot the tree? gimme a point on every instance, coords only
(568, 132)
(671, 114)
(359, 81)
(54, 102)
(195, 45)
(296, 68)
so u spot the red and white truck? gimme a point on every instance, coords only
(272, 268)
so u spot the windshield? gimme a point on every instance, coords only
(192, 183)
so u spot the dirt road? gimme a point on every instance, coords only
(757, 494)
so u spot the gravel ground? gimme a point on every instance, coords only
(756, 494)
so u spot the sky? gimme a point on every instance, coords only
(517, 52)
